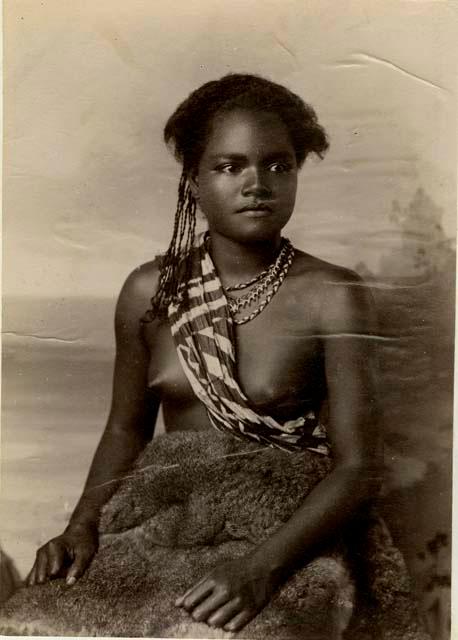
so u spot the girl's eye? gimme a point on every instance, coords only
(228, 168)
(280, 167)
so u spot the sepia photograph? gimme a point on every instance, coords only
(228, 315)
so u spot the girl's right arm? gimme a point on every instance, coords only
(129, 428)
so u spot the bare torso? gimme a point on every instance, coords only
(279, 354)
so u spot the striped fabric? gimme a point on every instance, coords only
(203, 334)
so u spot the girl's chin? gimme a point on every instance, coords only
(251, 229)
(253, 236)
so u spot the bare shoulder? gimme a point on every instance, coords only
(137, 291)
(320, 272)
(344, 298)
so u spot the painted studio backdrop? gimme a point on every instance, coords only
(90, 193)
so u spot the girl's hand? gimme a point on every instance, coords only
(75, 547)
(231, 595)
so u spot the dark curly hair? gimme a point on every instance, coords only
(187, 131)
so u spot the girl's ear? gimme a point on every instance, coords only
(193, 184)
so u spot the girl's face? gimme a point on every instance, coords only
(246, 180)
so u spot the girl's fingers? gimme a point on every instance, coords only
(41, 567)
(210, 605)
(31, 578)
(179, 600)
(82, 559)
(56, 559)
(196, 594)
(225, 613)
(240, 620)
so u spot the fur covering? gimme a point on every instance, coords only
(194, 500)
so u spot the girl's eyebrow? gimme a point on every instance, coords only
(228, 156)
(275, 155)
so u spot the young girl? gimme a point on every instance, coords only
(238, 330)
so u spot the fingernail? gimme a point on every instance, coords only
(71, 581)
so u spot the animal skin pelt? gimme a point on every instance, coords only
(194, 500)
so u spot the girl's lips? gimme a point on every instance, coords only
(256, 210)
(256, 213)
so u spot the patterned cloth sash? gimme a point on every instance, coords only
(203, 332)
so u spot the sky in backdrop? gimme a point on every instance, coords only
(90, 189)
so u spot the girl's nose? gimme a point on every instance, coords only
(256, 184)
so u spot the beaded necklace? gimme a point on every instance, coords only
(267, 284)
(263, 274)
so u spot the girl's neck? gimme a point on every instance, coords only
(236, 262)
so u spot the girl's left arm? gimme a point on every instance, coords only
(349, 330)
(234, 593)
